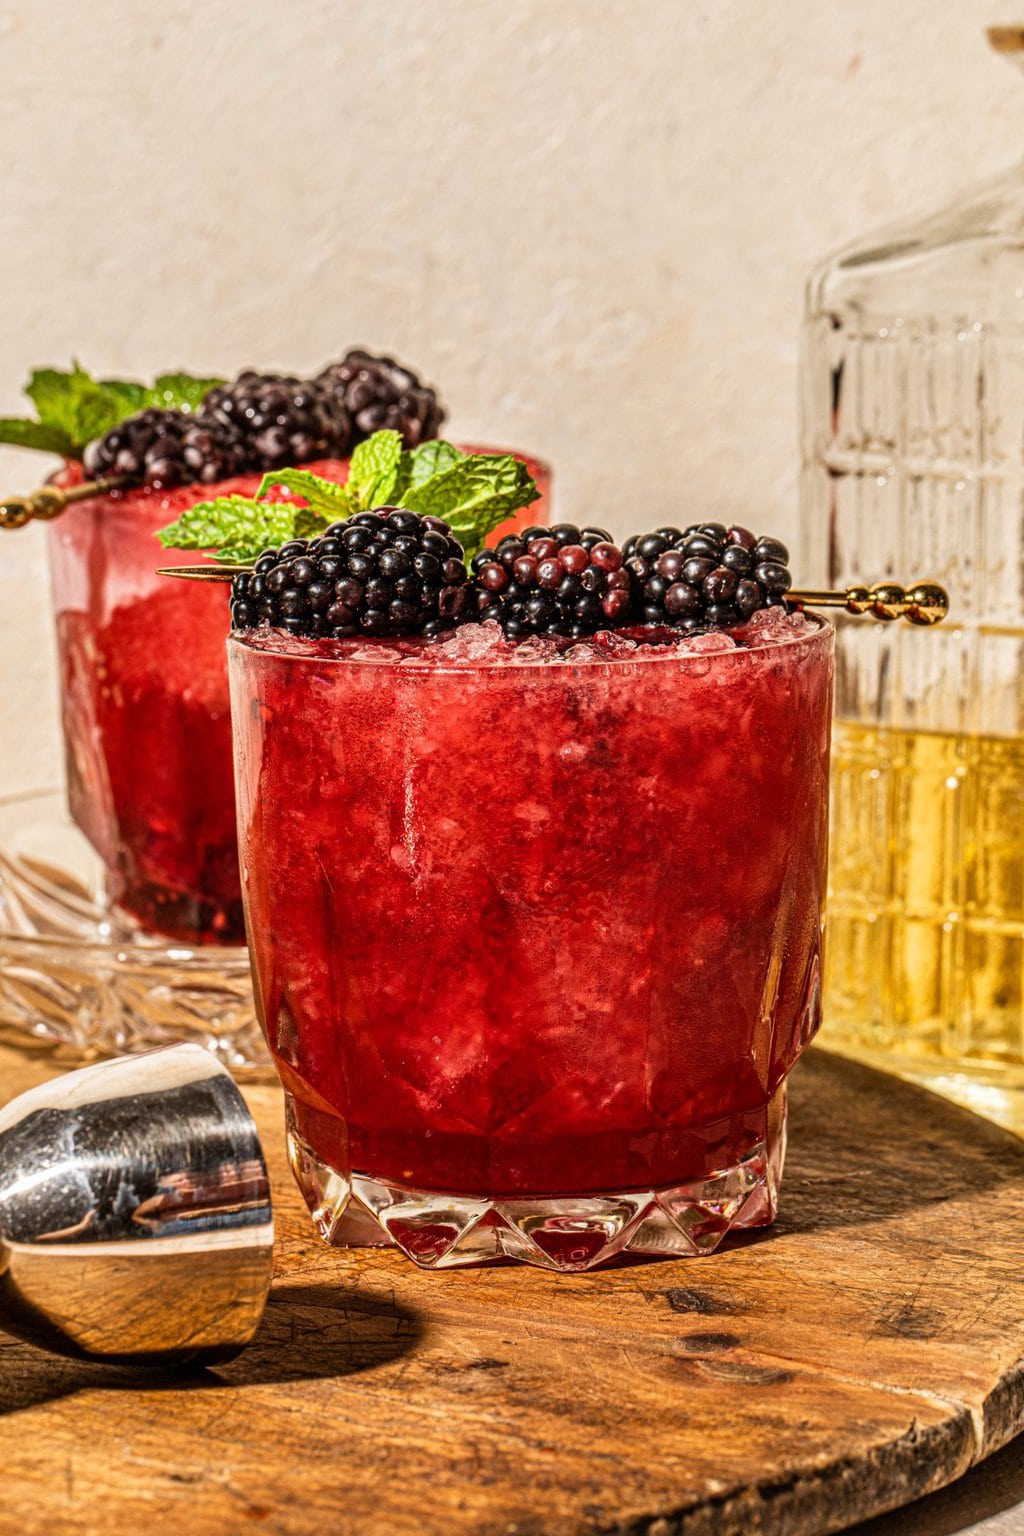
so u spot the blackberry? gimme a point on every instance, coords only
(281, 419)
(707, 576)
(387, 572)
(167, 448)
(377, 392)
(552, 581)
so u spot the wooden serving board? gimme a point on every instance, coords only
(867, 1349)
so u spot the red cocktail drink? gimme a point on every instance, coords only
(144, 698)
(536, 928)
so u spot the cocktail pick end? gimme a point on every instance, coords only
(923, 604)
(224, 573)
(50, 500)
(135, 1217)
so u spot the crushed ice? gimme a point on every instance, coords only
(484, 644)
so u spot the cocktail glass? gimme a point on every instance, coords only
(535, 942)
(144, 703)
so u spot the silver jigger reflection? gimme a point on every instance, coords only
(135, 1220)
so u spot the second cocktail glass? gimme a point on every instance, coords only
(144, 704)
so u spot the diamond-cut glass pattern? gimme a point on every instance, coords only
(567, 1233)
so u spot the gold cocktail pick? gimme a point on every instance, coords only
(50, 500)
(203, 572)
(924, 603)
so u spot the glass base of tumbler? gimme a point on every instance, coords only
(438, 1230)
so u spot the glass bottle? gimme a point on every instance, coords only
(912, 385)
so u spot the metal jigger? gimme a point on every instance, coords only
(135, 1219)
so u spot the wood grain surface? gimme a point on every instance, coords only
(866, 1349)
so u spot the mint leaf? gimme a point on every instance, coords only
(22, 433)
(474, 495)
(124, 397)
(418, 464)
(53, 393)
(374, 467)
(236, 528)
(179, 392)
(73, 408)
(431, 459)
(75, 404)
(325, 497)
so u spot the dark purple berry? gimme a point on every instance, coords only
(375, 392)
(700, 544)
(773, 576)
(651, 546)
(670, 564)
(280, 419)
(615, 605)
(771, 550)
(696, 569)
(562, 578)
(682, 599)
(739, 560)
(574, 559)
(720, 585)
(709, 576)
(747, 598)
(606, 556)
(591, 536)
(167, 448)
(742, 538)
(330, 587)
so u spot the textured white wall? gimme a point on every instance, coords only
(588, 220)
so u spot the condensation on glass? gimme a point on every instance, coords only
(913, 466)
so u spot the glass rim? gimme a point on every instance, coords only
(240, 641)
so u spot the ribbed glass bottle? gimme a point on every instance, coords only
(913, 467)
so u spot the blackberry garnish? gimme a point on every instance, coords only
(378, 393)
(552, 581)
(167, 448)
(280, 419)
(387, 572)
(708, 576)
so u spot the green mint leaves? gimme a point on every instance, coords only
(373, 473)
(72, 407)
(326, 500)
(474, 495)
(235, 524)
(473, 492)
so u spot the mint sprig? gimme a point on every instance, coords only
(72, 407)
(472, 492)
(237, 525)
(474, 495)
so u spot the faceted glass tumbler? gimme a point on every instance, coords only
(913, 467)
(535, 944)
